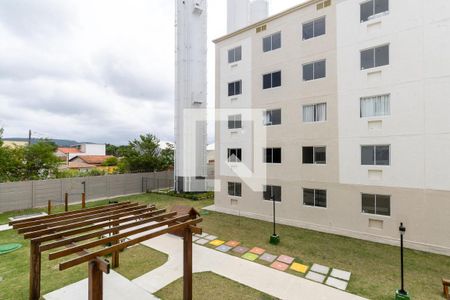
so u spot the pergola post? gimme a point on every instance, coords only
(187, 266)
(35, 271)
(115, 255)
(95, 280)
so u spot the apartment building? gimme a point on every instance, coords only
(352, 98)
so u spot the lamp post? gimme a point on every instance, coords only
(402, 294)
(274, 238)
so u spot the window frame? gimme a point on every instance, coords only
(235, 185)
(271, 42)
(235, 93)
(375, 205)
(374, 49)
(374, 15)
(238, 153)
(271, 121)
(315, 205)
(272, 161)
(314, 35)
(313, 63)
(234, 60)
(315, 113)
(314, 160)
(375, 155)
(265, 187)
(361, 99)
(271, 80)
(235, 119)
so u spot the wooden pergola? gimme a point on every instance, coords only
(96, 232)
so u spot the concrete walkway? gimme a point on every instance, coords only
(278, 284)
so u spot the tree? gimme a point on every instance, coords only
(111, 161)
(167, 157)
(40, 160)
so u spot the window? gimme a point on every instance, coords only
(272, 42)
(373, 8)
(317, 198)
(375, 57)
(375, 106)
(314, 155)
(272, 192)
(376, 204)
(272, 117)
(234, 88)
(314, 70)
(234, 155)
(315, 113)
(375, 155)
(234, 122)
(235, 189)
(272, 155)
(235, 54)
(314, 28)
(271, 80)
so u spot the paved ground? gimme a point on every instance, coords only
(5, 227)
(115, 287)
(267, 280)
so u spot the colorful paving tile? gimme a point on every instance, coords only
(201, 241)
(211, 237)
(337, 283)
(240, 249)
(223, 248)
(315, 277)
(320, 269)
(285, 259)
(216, 242)
(194, 238)
(340, 274)
(279, 266)
(204, 234)
(268, 257)
(250, 256)
(257, 250)
(232, 243)
(299, 268)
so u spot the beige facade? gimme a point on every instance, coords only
(424, 210)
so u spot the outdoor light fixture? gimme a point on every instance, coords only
(402, 294)
(274, 238)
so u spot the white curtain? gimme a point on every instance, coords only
(308, 113)
(375, 106)
(267, 117)
(321, 112)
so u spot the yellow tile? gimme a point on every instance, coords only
(299, 268)
(216, 242)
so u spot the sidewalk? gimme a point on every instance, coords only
(278, 284)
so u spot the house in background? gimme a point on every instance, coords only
(86, 162)
(67, 153)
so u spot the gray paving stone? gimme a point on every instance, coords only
(201, 241)
(240, 249)
(337, 283)
(194, 238)
(268, 257)
(204, 234)
(223, 248)
(320, 269)
(211, 237)
(340, 274)
(315, 277)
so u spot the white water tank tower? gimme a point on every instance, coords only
(190, 95)
(259, 10)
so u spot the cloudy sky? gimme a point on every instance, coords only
(94, 70)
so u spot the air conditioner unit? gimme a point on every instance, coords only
(198, 8)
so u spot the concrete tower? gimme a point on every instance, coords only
(259, 10)
(241, 13)
(190, 95)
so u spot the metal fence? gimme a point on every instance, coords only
(30, 194)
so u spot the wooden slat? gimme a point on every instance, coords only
(73, 216)
(71, 232)
(80, 218)
(82, 223)
(114, 238)
(79, 260)
(11, 223)
(100, 233)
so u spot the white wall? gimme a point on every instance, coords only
(418, 79)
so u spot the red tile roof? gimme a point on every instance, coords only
(93, 159)
(68, 150)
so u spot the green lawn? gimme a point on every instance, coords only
(209, 285)
(374, 267)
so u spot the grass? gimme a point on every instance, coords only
(209, 285)
(374, 267)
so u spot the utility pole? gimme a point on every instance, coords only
(29, 137)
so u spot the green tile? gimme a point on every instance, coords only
(250, 256)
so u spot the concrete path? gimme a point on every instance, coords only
(278, 284)
(5, 227)
(115, 287)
